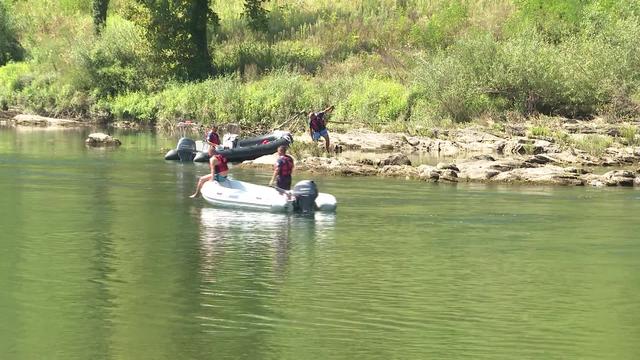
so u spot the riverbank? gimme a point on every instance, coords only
(560, 151)
(591, 153)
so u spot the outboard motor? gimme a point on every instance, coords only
(230, 141)
(306, 193)
(186, 149)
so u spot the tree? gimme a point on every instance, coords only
(99, 14)
(256, 14)
(10, 48)
(177, 30)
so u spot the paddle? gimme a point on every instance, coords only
(282, 191)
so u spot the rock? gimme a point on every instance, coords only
(446, 166)
(365, 162)
(449, 175)
(513, 147)
(483, 157)
(411, 140)
(636, 181)
(41, 121)
(549, 174)
(428, 173)
(399, 171)
(619, 178)
(539, 159)
(101, 139)
(395, 159)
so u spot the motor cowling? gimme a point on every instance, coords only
(305, 192)
(186, 149)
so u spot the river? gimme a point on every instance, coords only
(104, 256)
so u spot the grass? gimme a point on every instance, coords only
(593, 144)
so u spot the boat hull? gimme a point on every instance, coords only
(243, 195)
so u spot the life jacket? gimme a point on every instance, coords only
(285, 165)
(221, 166)
(213, 137)
(317, 123)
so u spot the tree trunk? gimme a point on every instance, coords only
(200, 61)
(99, 14)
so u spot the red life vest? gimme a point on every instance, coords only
(213, 138)
(221, 166)
(317, 123)
(285, 165)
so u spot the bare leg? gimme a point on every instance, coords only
(201, 182)
(326, 143)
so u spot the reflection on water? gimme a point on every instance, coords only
(103, 255)
(221, 229)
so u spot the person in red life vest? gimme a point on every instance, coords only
(282, 169)
(212, 138)
(318, 126)
(219, 169)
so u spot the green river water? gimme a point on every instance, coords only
(103, 256)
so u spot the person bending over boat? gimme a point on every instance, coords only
(282, 169)
(219, 170)
(318, 126)
(212, 138)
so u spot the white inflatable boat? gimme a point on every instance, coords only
(304, 196)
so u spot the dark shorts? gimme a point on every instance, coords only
(220, 178)
(284, 182)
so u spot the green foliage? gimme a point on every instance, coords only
(540, 130)
(373, 100)
(593, 144)
(116, 62)
(134, 106)
(441, 28)
(256, 14)
(13, 78)
(554, 20)
(177, 30)
(411, 65)
(629, 134)
(260, 56)
(99, 14)
(10, 48)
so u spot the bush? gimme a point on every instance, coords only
(593, 144)
(134, 106)
(117, 61)
(10, 48)
(373, 100)
(290, 54)
(13, 78)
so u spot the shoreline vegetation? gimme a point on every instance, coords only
(504, 90)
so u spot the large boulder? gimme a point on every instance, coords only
(619, 178)
(101, 139)
(395, 159)
(549, 174)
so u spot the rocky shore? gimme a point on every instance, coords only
(474, 154)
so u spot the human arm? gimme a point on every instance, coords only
(273, 177)
(212, 165)
(329, 109)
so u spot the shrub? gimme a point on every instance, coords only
(117, 61)
(593, 144)
(374, 100)
(10, 48)
(291, 54)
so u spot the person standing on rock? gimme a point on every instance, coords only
(219, 170)
(318, 126)
(212, 138)
(282, 169)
